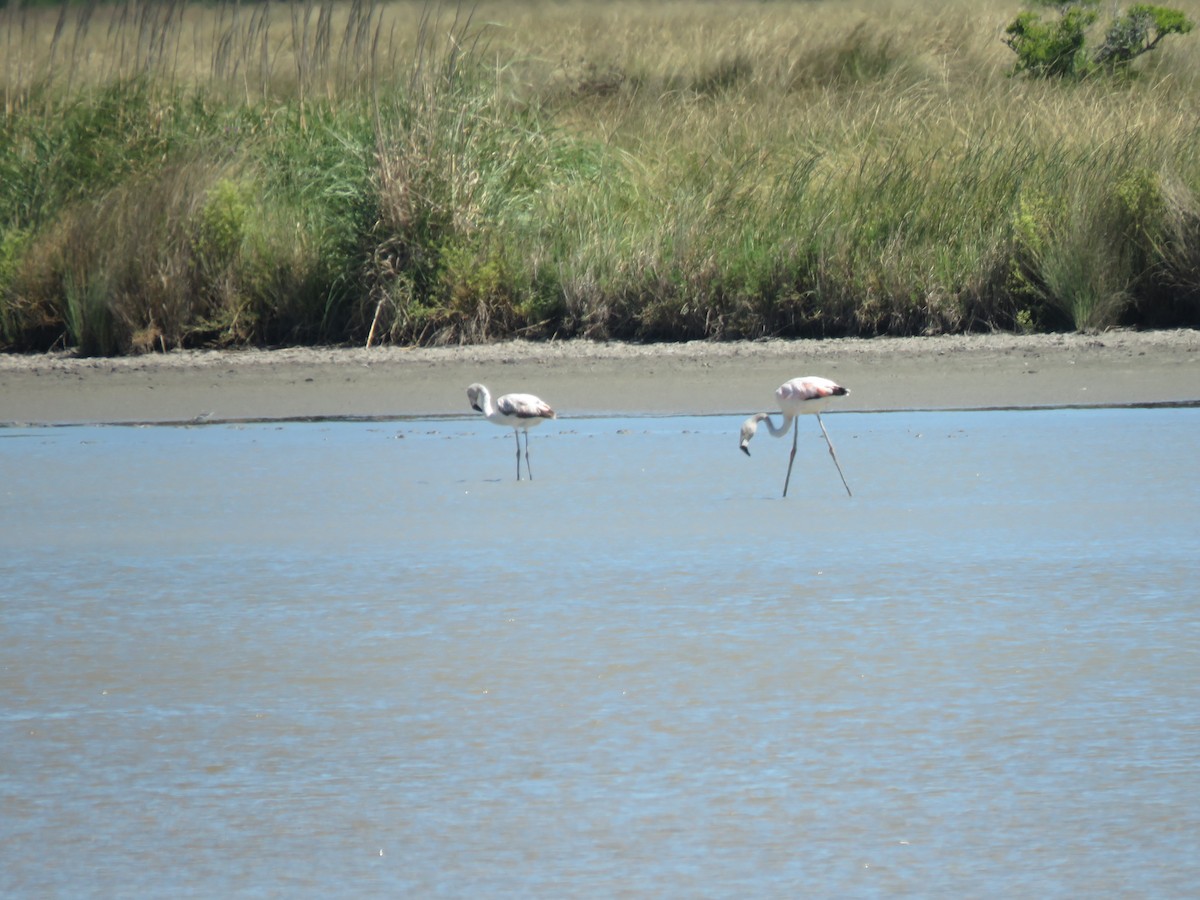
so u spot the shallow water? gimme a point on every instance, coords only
(360, 659)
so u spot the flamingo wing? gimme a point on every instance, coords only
(524, 406)
(809, 387)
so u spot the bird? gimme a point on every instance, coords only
(518, 411)
(807, 394)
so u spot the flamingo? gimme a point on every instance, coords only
(519, 411)
(807, 394)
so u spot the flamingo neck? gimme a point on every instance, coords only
(782, 430)
(485, 401)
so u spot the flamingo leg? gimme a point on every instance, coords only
(833, 453)
(792, 457)
(517, 438)
(527, 469)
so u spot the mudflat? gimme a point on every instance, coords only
(581, 377)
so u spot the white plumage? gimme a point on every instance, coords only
(520, 412)
(807, 394)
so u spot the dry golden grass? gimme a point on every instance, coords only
(666, 167)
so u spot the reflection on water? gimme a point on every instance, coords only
(358, 658)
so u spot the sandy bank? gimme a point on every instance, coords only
(585, 378)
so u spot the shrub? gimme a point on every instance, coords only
(1138, 31)
(1057, 49)
(1051, 49)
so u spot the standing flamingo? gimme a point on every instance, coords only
(808, 394)
(518, 411)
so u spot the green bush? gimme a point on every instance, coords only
(1138, 31)
(1051, 49)
(1058, 48)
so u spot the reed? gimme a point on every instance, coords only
(175, 174)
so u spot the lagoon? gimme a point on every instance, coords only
(357, 658)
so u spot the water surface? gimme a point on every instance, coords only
(319, 659)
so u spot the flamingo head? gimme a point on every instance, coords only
(749, 429)
(475, 395)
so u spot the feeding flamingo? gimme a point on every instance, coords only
(518, 411)
(807, 394)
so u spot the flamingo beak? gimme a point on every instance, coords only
(745, 449)
(475, 406)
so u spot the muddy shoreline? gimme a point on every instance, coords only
(583, 378)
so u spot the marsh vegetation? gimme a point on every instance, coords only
(178, 174)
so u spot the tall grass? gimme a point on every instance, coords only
(174, 174)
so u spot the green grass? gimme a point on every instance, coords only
(196, 175)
